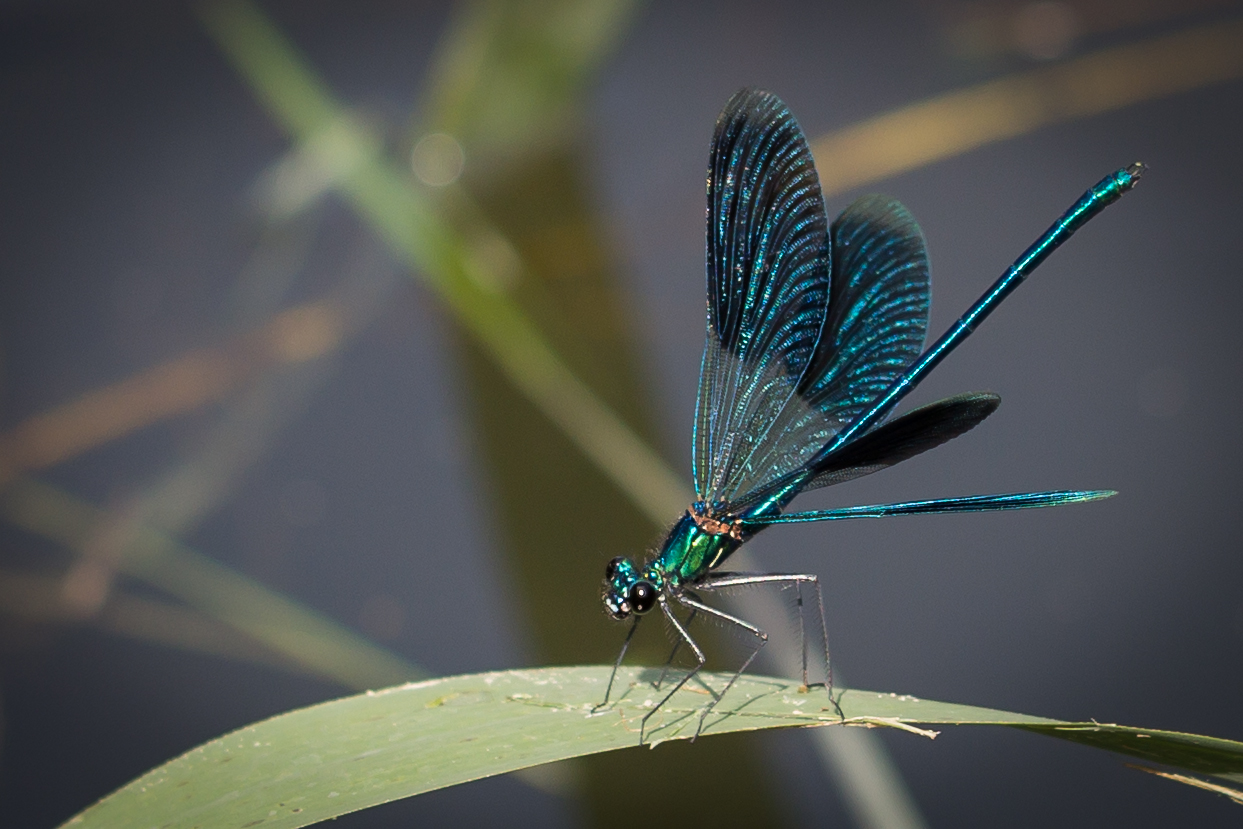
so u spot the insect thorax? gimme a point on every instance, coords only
(714, 526)
(692, 549)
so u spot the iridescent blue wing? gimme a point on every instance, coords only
(874, 328)
(878, 308)
(768, 289)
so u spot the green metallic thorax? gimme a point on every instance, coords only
(690, 551)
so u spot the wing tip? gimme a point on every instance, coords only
(751, 101)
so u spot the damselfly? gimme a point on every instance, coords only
(815, 333)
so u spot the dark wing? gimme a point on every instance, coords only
(874, 328)
(904, 437)
(878, 308)
(901, 438)
(768, 290)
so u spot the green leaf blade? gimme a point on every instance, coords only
(1193, 752)
(321, 762)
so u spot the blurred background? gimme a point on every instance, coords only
(343, 344)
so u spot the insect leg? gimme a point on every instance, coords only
(722, 580)
(676, 647)
(617, 664)
(699, 657)
(761, 640)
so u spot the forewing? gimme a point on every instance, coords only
(878, 308)
(768, 289)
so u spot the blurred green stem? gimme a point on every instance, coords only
(388, 201)
(315, 641)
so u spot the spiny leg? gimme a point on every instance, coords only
(699, 657)
(722, 580)
(725, 580)
(617, 664)
(761, 640)
(676, 647)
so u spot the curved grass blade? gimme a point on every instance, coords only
(321, 762)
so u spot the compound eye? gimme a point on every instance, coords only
(642, 597)
(611, 569)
